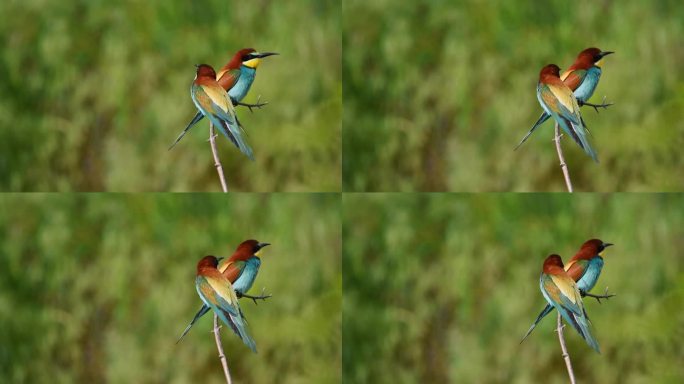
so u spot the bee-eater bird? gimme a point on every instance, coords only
(241, 270)
(584, 268)
(214, 103)
(236, 77)
(581, 77)
(559, 102)
(218, 294)
(560, 290)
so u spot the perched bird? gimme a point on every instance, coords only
(241, 270)
(236, 77)
(218, 294)
(584, 268)
(581, 77)
(559, 102)
(214, 103)
(561, 291)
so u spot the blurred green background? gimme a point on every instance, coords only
(97, 288)
(438, 93)
(94, 92)
(444, 289)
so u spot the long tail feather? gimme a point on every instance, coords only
(542, 314)
(544, 116)
(199, 314)
(194, 121)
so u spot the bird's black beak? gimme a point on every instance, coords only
(266, 54)
(606, 245)
(261, 245)
(605, 53)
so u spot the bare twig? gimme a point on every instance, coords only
(563, 165)
(219, 346)
(217, 161)
(566, 356)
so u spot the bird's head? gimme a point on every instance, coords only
(249, 57)
(594, 247)
(207, 262)
(204, 70)
(250, 248)
(553, 264)
(593, 56)
(549, 70)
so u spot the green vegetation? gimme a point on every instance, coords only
(443, 289)
(94, 92)
(96, 288)
(438, 93)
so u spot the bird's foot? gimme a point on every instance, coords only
(598, 298)
(255, 298)
(603, 104)
(258, 104)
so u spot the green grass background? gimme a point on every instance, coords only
(97, 288)
(438, 93)
(92, 93)
(443, 289)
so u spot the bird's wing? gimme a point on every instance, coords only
(568, 293)
(573, 78)
(219, 98)
(232, 270)
(222, 109)
(227, 78)
(576, 268)
(567, 104)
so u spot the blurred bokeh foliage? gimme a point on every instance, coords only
(97, 288)
(438, 93)
(94, 92)
(443, 289)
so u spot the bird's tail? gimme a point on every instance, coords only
(239, 326)
(194, 121)
(543, 313)
(578, 132)
(233, 131)
(544, 116)
(199, 314)
(583, 323)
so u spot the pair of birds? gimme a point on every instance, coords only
(221, 282)
(563, 287)
(216, 94)
(561, 96)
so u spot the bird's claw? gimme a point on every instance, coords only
(258, 104)
(598, 298)
(254, 298)
(603, 104)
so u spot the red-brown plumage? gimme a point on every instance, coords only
(550, 74)
(588, 250)
(236, 61)
(586, 59)
(553, 265)
(205, 71)
(206, 264)
(245, 250)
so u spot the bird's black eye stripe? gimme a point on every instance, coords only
(248, 57)
(597, 58)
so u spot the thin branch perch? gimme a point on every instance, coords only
(219, 346)
(566, 355)
(217, 160)
(563, 165)
(224, 185)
